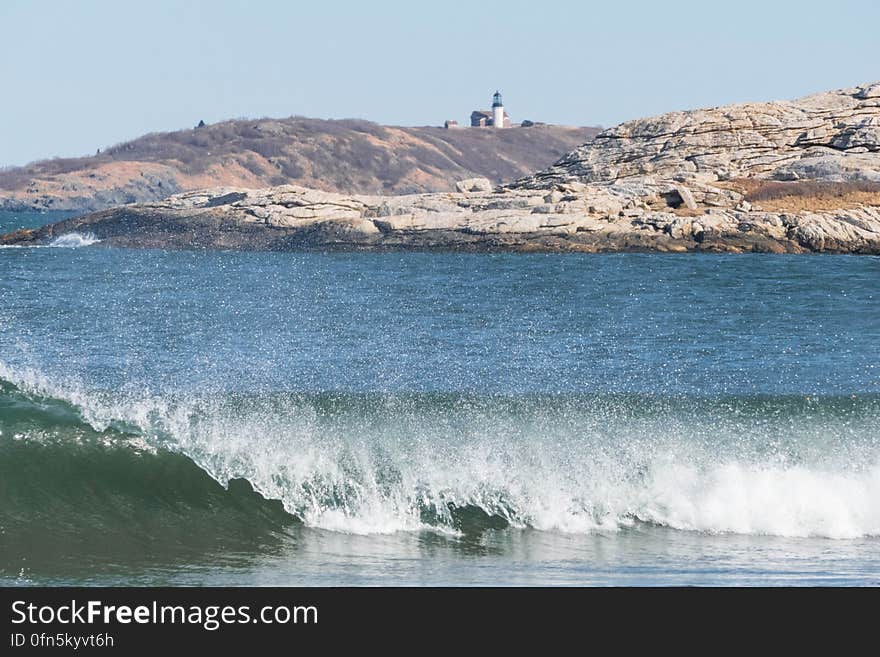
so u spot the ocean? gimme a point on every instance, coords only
(224, 418)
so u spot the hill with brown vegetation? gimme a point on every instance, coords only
(348, 156)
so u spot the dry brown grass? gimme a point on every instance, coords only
(805, 195)
(347, 155)
(683, 211)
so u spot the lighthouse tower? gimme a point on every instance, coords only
(497, 111)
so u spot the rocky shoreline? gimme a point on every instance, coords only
(675, 183)
(564, 219)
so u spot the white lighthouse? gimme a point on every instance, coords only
(495, 117)
(497, 111)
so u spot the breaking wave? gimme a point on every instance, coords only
(167, 467)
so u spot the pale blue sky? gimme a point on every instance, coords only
(76, 76)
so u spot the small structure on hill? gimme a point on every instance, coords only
(451, 124)
(494, 118)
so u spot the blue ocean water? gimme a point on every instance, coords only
(293, 418)
(10, 221)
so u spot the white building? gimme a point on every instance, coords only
(494, 118)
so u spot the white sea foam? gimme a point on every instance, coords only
(746, 498)
(66, 241)
(73, 240)
(403, 468)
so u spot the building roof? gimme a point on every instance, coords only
(487, 113)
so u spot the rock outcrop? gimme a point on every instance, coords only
(832, 136)
(770, 177)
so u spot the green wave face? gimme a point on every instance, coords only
(75, 497)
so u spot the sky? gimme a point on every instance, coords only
(78, 76)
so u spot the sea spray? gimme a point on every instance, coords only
(66, 241)
(73, 240)
(374, 464)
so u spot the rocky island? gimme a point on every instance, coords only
(797, 176)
